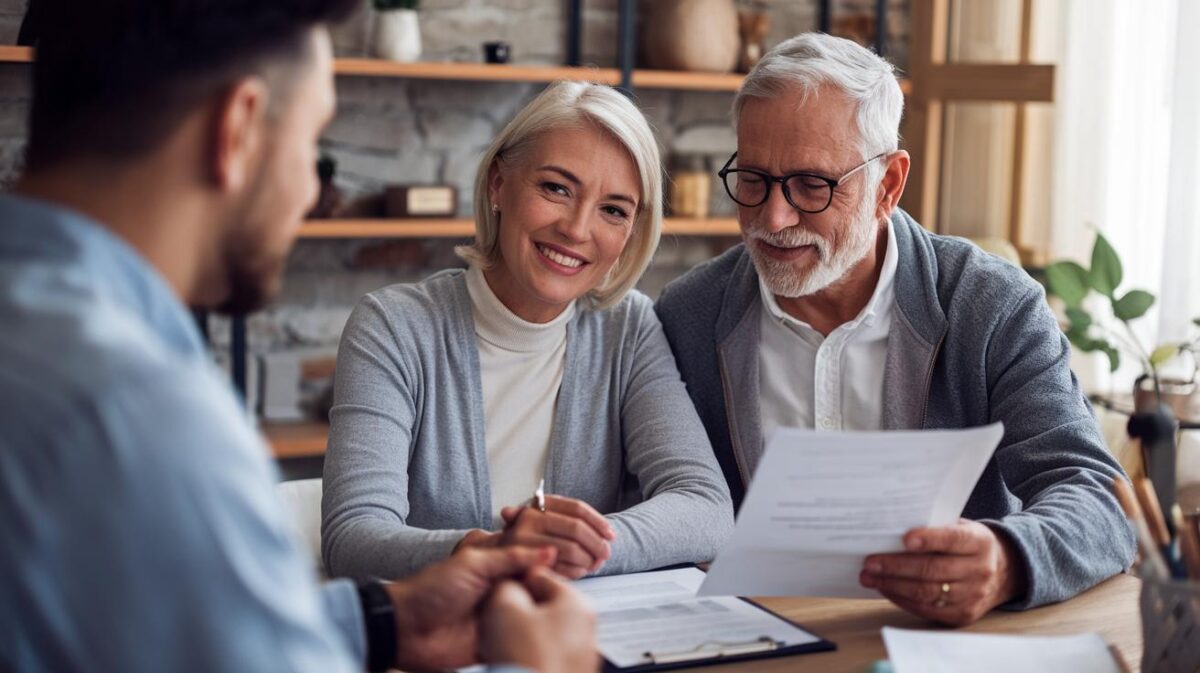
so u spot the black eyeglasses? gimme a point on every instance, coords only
(806, 192)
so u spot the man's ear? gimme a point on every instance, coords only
(892, 186)
(238, 133)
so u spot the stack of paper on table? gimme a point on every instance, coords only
(948, 652)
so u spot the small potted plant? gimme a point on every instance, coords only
(1153, 422)
(1110, 333)
(397, 33)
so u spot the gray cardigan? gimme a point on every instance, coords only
(406, 473)
(973, 341)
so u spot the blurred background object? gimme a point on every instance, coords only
(397, 32)
(329, 201)
(691, 186)
(496, 52)
(696, 35)
(753, 26)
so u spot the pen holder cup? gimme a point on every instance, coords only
(1170, 627)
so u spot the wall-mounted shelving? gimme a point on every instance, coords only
(465, 228)
(487, 72)
(651, 79)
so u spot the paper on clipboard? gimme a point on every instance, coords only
(659, 613)
(820, 502)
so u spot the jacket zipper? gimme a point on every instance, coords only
(733, 435)
(937, 349)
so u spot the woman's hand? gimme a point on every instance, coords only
(581, 535)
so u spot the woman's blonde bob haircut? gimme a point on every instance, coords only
(572, 105)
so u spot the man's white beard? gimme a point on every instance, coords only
(783, 280)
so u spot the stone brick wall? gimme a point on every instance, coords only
(395, 130)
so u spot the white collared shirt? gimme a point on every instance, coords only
(827, 383)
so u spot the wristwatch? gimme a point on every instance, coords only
(379, 616)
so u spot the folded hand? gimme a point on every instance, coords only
(581, 535)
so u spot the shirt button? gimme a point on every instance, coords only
(827, 423)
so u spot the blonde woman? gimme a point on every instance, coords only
(456, 396)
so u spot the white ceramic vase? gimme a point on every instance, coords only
(397, 35)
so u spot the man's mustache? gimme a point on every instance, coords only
(792, 237)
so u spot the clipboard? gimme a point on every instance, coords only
(730, 652)
(623, 595)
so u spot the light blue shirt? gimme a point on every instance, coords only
(139, 527)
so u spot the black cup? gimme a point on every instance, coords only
(496, 52)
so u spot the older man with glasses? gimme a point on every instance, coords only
(840, 312)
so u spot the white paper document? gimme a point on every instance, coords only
(658, 612)
(949, 652)
(820, 502)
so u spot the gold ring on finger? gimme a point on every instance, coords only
(941, 601)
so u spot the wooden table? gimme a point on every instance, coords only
(1111, 609)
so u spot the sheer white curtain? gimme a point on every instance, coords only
(1127, 154)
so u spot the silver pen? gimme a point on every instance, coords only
(539, 496)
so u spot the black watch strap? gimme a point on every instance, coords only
(379, 616)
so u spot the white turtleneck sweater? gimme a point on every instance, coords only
(521, 369)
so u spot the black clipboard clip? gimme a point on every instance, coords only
(714, 649)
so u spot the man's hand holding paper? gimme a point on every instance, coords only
(823, 506)
(951, 574)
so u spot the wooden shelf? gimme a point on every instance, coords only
(465, 228)
(479, 72)
(490, 72)
(296, 440)
(690, 81)
(650, 79)
(10, 54)
(645, 79)
(424, 228)
(367, 67)
(717, 226)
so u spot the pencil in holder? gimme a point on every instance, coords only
(1170, 626)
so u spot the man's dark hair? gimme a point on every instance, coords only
(114, 79)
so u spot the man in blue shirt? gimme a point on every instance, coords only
(170, 162)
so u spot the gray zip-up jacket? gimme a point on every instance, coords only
(972, 342)
(406, 473)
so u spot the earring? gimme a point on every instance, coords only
(495, 208)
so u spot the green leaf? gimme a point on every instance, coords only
(1134, 304)
(1196, 322)
(1067, 281)
(1087, 344)
(1079, 318)
(1114, 358)
(1105, 275)
(1162, 354)
(1080, 339)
